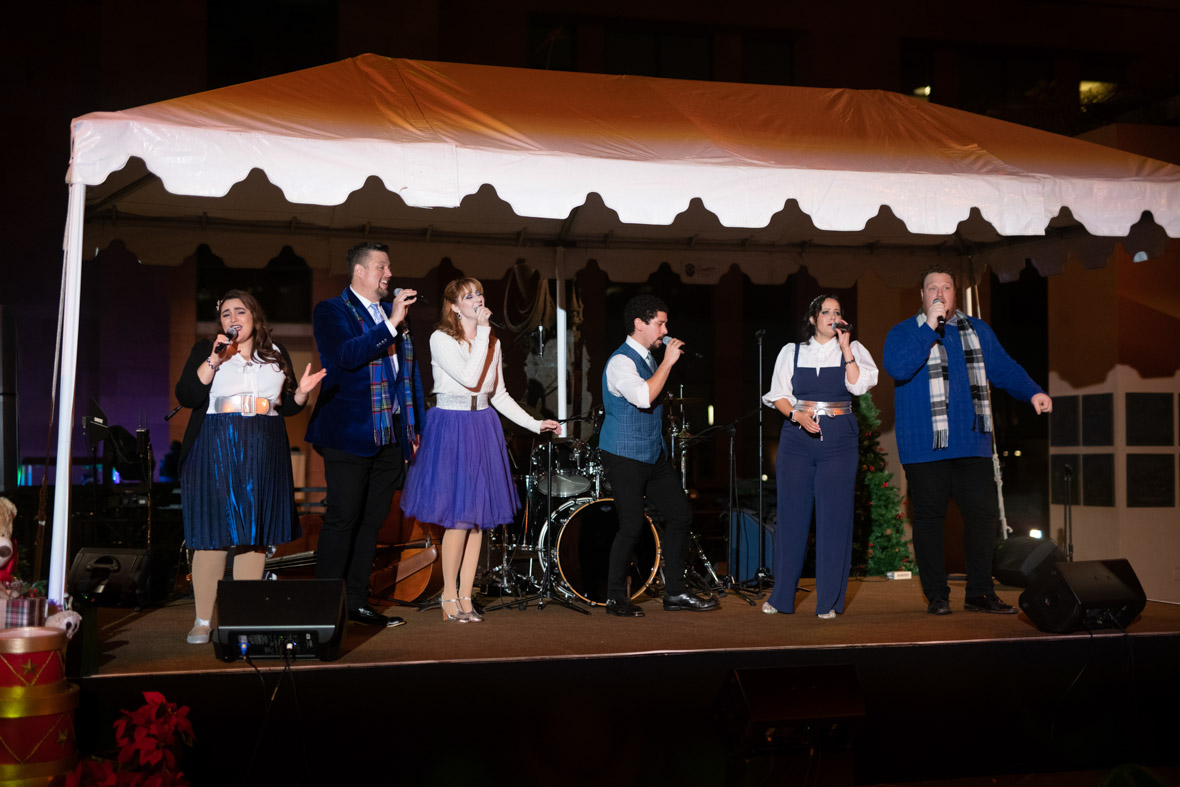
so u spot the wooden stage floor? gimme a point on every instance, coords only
(878, 613)
(883, 694)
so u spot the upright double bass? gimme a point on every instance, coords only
(408, 565)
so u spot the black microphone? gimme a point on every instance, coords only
(941, 320)
(841, 326)
(417, 298)
(175, 410)
(696, 355)
(231, 334)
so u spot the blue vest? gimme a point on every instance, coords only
(626, 430)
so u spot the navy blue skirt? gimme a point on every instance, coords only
(236, 487)
(461, 477)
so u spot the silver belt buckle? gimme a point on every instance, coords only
(248, 405)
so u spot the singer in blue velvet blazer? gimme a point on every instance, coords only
(342, 417)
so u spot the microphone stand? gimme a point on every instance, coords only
(764, 575)
(728, 582)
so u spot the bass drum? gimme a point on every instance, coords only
(582, 545)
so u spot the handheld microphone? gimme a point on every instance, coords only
(231, 334)
(696, 355)
(841, 326)
(941, 320)
(417, 298)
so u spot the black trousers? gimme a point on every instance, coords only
(971, 482)
(360, 492)
(631, 481)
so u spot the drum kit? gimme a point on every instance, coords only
(565, 532)
(559, 547)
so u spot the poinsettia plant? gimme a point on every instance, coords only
(150, 741)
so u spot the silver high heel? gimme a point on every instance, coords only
(472, 616)
(459, 617)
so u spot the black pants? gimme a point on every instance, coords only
(971, 482)
(360, 492)
(631, 481)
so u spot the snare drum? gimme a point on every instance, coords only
(584, 530)
(574, 468)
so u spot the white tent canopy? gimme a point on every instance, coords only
(477, 163)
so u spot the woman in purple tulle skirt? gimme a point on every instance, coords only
(461, 478)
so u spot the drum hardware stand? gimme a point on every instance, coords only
(546, 591)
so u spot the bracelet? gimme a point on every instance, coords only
(210, 363)
(849, 360)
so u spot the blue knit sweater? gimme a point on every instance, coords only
(907, 349)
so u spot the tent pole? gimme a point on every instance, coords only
(72, 273)
(559, 275)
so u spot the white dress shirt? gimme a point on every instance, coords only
(814, 355)
(622, 378)
(457, 367)
(237, 376)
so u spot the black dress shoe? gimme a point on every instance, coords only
(691, 602)
(939, 606)
(989, 603)
(623, 608)
(371, 617)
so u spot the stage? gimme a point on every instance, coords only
(883, 693)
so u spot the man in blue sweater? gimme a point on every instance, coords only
(942, 362)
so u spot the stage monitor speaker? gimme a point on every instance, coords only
(115, 575)
(1016, 560)
(1087, 595)
(276, 619)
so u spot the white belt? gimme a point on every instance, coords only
(244, 403)
(458, 401)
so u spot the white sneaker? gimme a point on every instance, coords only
(199, 634)
(831, 613)
(769, 610)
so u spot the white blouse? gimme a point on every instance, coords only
(814, 355)
(236, 376)
(457, 367)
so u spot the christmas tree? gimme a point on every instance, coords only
(878, 526)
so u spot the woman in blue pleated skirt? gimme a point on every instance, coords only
(236, 490)
(461, 478)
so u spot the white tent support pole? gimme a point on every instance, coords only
(972, 308)
(72, 272)
(562, 361)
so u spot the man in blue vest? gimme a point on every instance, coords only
(635, 456)
(364, 420)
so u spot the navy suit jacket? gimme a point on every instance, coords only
(343, 415)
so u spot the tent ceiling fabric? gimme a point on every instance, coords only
(483, 163)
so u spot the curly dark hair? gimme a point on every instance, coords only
(264, 348)
(642, 307)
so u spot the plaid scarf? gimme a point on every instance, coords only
(976, 377)
(379, 398)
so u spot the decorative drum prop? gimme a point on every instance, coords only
(36, 705)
